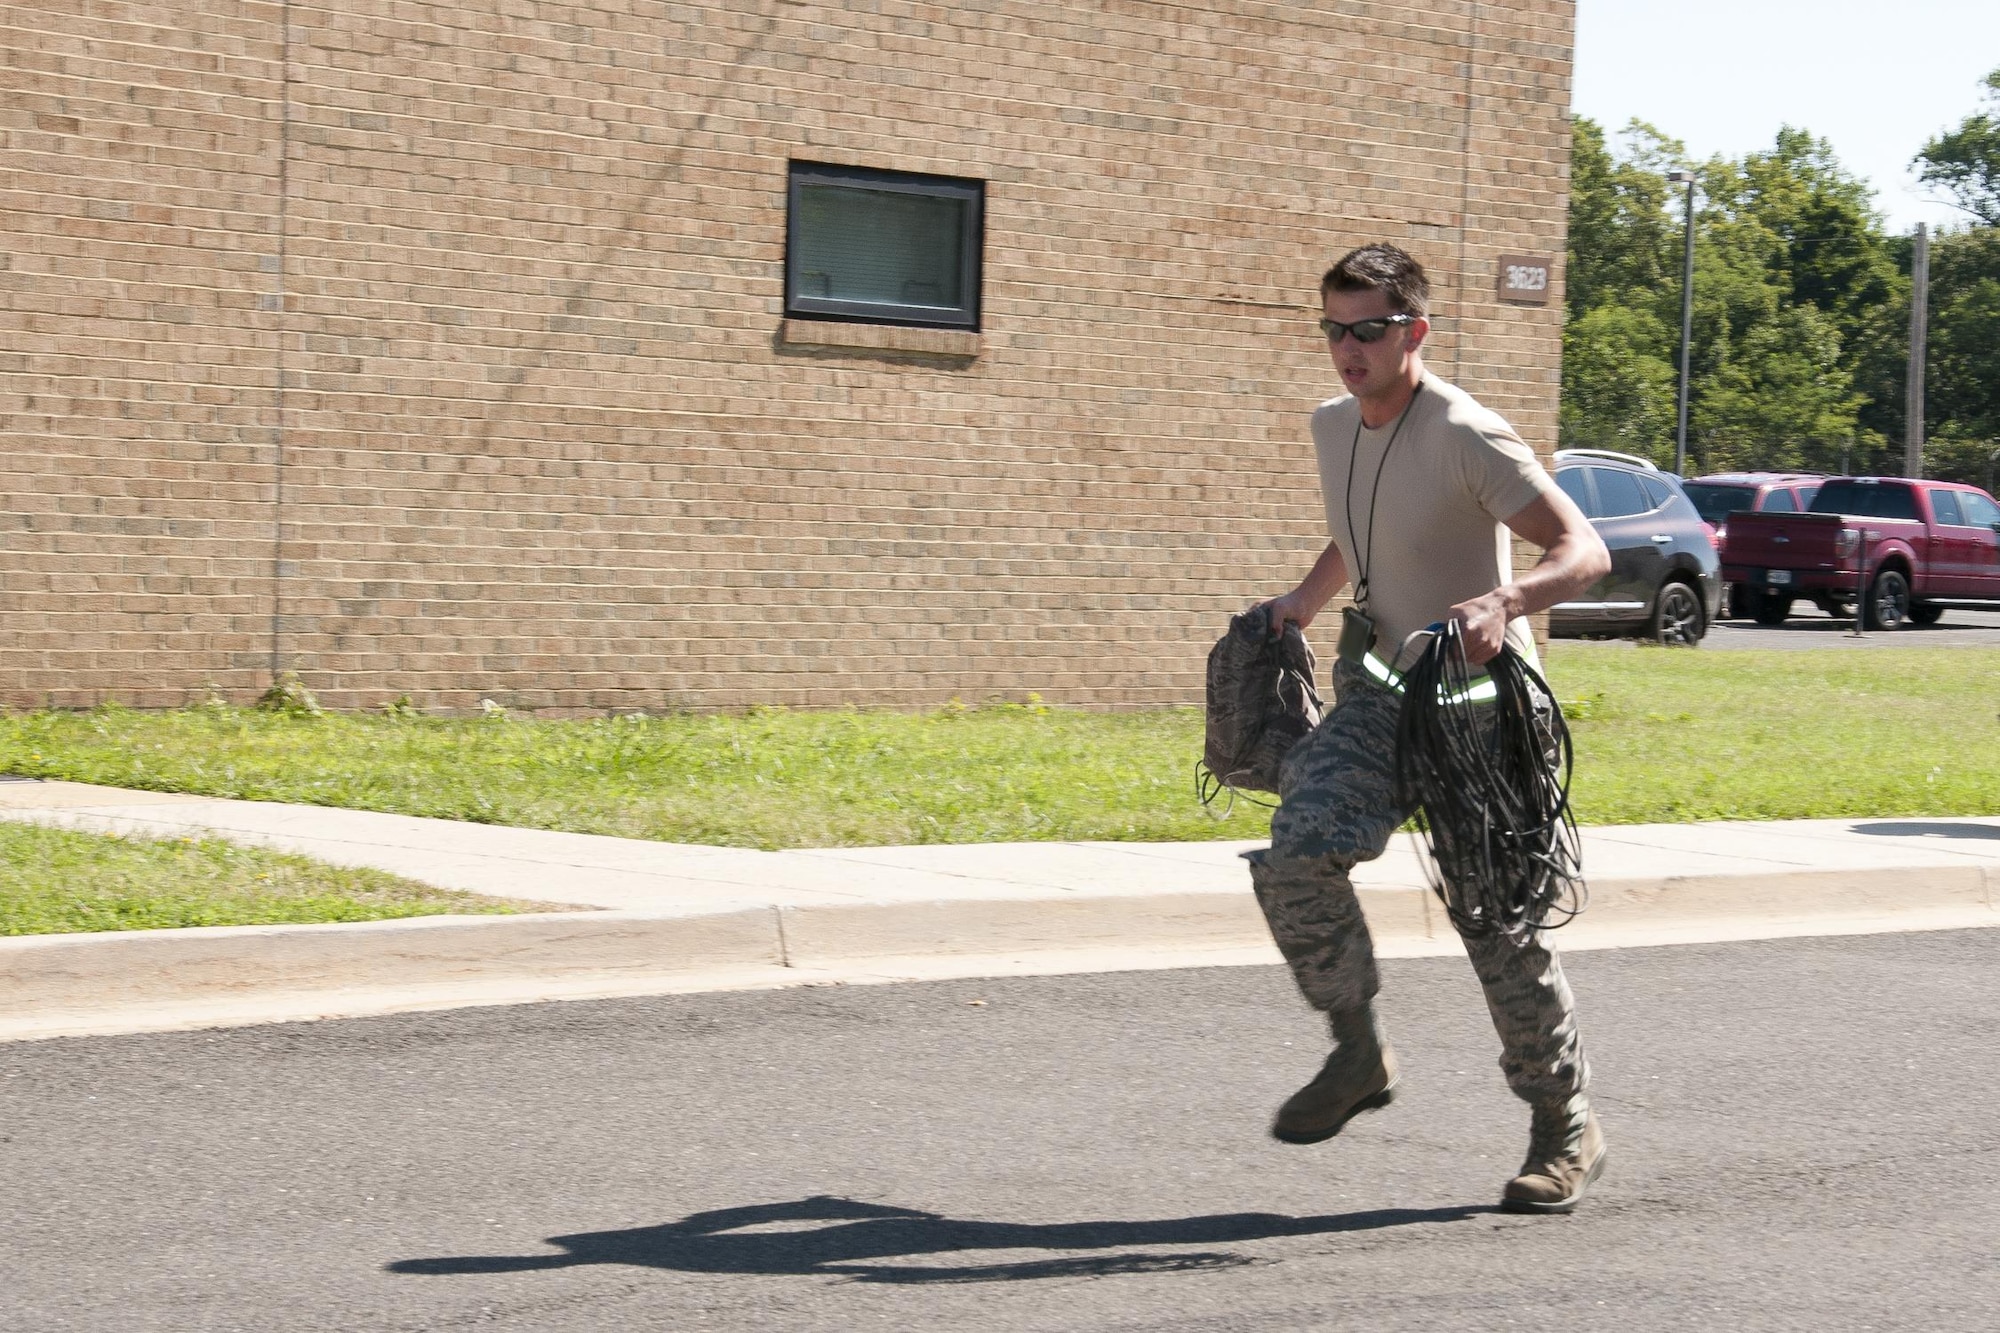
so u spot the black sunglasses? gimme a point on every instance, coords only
(1364, 330)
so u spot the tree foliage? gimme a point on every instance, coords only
(1800, 312)
(1965, 162)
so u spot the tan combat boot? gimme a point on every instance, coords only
(1565, 1153)
(1359, 1076)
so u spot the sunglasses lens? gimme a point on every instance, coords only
(1364, 331)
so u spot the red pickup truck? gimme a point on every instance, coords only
(1916, 547)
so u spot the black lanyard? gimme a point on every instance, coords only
(1366, 557)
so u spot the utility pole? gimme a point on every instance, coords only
(1687, 317)
(1913, 392)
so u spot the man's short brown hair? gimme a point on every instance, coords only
(1388, 269)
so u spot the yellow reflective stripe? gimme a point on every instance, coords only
(1482, 690)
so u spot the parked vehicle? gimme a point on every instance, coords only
(1665, 582)
(1903, 550)
(1718, 496)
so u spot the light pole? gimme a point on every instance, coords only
(1687, 316)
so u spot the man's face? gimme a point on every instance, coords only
(1371, 369)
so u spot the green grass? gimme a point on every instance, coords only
(1664, 736)
(57, 881)
(1660, 735)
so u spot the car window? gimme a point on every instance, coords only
(1658, 493)
(1716, 503)
(1619, 493)
(1945, 505)
(1866, 499)
(1978, 511)
(1806, 494)
(1575, 483)
(1780, 501)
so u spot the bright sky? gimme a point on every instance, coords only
(1875, 79)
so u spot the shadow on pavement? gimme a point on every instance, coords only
(851, 1235)
(1928, 828)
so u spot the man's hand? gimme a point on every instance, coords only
(1483, 622)
(1293, 608)
(1301, 604)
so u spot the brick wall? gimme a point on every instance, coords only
(544, 435)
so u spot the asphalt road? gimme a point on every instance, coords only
(1801, 1138)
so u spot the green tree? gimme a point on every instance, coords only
(1796, 303)
(1782, 401)
(1965, 162)
(1618, 388)
(1621, 240)
(1963, 383)
(1619, 349)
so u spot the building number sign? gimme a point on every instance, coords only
(1524, 279)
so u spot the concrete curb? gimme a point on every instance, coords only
(152, 980)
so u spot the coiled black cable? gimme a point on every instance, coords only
(1489, 779)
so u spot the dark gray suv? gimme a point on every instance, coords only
(1666, 580)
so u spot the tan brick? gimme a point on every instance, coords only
(546, 433)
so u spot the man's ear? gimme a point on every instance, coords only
(1413, 338)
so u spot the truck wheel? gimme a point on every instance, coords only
(1888, 605)
(1925, 613)
(1678, 618)
(1770, 608)
(1742, 601)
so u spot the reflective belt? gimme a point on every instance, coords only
(1480, 690)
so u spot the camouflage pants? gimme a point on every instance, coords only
(1338, 809)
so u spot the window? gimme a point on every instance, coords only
(1618, 493)
(1716, 503)
(1780, 501)
(1980, 512)
(1945, 505)
(886, 247)
(1575, 483)
(1658, 492)
(1865, 499)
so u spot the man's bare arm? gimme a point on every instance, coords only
(1573, 558)
(1327, 576)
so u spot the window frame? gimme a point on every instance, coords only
(972, 239)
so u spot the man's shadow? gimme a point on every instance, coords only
(851, 1236)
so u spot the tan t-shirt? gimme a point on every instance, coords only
(1456, 474)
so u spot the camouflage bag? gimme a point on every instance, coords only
(1261, 700)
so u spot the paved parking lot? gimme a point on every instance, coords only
(1810, 627)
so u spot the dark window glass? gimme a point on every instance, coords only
(1866, 499)
(1716, 503)
(1780, 501)
(1806, 494)
(1575, 483)
(1945, 505)
(1619, 493)
(883, 246)
(1977, 510)
(1658, 492)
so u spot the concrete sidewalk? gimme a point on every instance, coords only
(678, 917)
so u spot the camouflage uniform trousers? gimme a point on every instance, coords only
(1338, 809)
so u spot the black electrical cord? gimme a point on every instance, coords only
(1489, 779)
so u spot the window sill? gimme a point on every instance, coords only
(892, 339)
